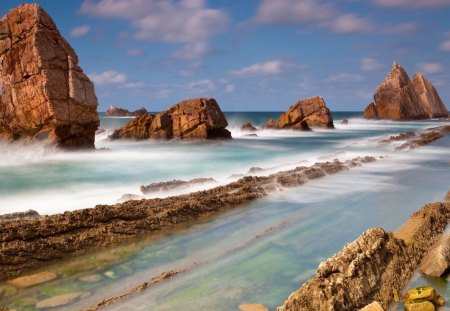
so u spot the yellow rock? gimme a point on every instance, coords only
(374, 306)
(252, 307)
(424, 292)
(422, 305)
(33, 279)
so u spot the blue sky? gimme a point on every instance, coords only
(251, 55)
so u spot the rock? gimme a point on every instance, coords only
(92, 278)
(110, 274)
(419, 306)
(252, 307)
(174, 185)
(431, 102)
(447, 196)
(437, 260)
(304, 114)
(114, 111)
(345, 122)
(423, 293)
(60, 300)
(374, 306)
(45, 94)
(192, 118)
(398, 98)
(248, 127)
(33, 279)
(250, 135)
(30, 214)
(128, 197)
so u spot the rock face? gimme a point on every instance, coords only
(437, 260)
(373, 266)
(114, 111)
(192, 118)
(398, 98)
(46, 95)
(304, 114)
(431, 102)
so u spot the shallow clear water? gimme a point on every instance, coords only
(257, 253)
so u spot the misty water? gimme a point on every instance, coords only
(258, 253)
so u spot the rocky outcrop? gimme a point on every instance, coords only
(431, 102)
(174, 185)
(114, 111)
(437, 260)
(193, 118)
(27, 244)
(398, 98)
(373, 266)
(304, 114)
(45, 94)
(248, 127)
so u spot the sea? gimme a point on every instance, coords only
(257, 253)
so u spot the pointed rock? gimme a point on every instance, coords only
(431, 102)
(371, 112)
(45, 94)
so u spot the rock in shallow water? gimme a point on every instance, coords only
(437, 261)
(34, 279)
(60, 300)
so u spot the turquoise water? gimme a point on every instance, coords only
(258, 253)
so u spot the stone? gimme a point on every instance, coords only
(252, 307)
(437, 261)
(45, 94)
(60, 300)
(199, 118)
(431, 102)
(33, 279)
(419, 306)
(114, 111)
(92, 278)
(248, 127)
(345, 122)
(371, 112)
(174, 185)
(374, 306)
(304, 114)
(30, 214)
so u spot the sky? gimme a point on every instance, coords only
(251, 55)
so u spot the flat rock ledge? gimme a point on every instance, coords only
(30, 244)
(374, 267)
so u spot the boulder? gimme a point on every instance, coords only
(397, 98)
(248, 127)
(304, 114)
(45, 94)
(114, 111)
(437, 261)
(431, 102)
(199, 118)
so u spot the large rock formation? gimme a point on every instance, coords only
(398, 98)
(376, 266)
(45, 94)
(304, 114)
(114, 111)
(192, 118)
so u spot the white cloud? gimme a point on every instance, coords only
(350, 23)
(134, 52)
(230, 88)
(269, 68)
(413, 4)
(370, 64)
(345, 77)
(184, 73)
(79, 31)
(400, 29)
(108, 77)
(431, 68)
(180, 21)
(202, 85)
(445, 46)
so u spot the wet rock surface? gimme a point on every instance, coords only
(174, 185)
(371, 267)
(415, 140)
(303, 115)
(33, 279)
(45, 94)
(114, 111)
(28, 244)
(199, 118)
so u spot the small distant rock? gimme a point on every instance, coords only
(60, 300)
(345, 122)
(252, 307)
(33, 279)
(248, 127)
(30, 214)
(174, 185)
(100, 131)
(250, 135)
(255, 170)
(92, 278)
(114, 111)
(128, 197)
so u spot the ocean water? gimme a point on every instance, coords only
(258, 253)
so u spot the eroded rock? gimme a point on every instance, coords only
(114, 111)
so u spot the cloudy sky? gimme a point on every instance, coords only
(251, 55)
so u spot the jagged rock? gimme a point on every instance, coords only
(46, 95)
(192, 118)
(114, 111)
(248, 127)
(431, 102)
(304, 114)
(34, 279)
(60, 300)
(398, 98)
(437, 261)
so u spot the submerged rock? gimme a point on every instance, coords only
(114, 111)
(60, 300)
(199, 118)
(304, 114)
(33, 279)
(45, 94)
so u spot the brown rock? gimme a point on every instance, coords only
(174, 185)
(431, 102)
(45, 94)
(114, 111)
(192, 118)
(345, 122)
(60, 300)
(304, 114)
(34, 279)
(371, 112)
(248, 127)
(437, 260)
(374, 306)
(252, 307)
